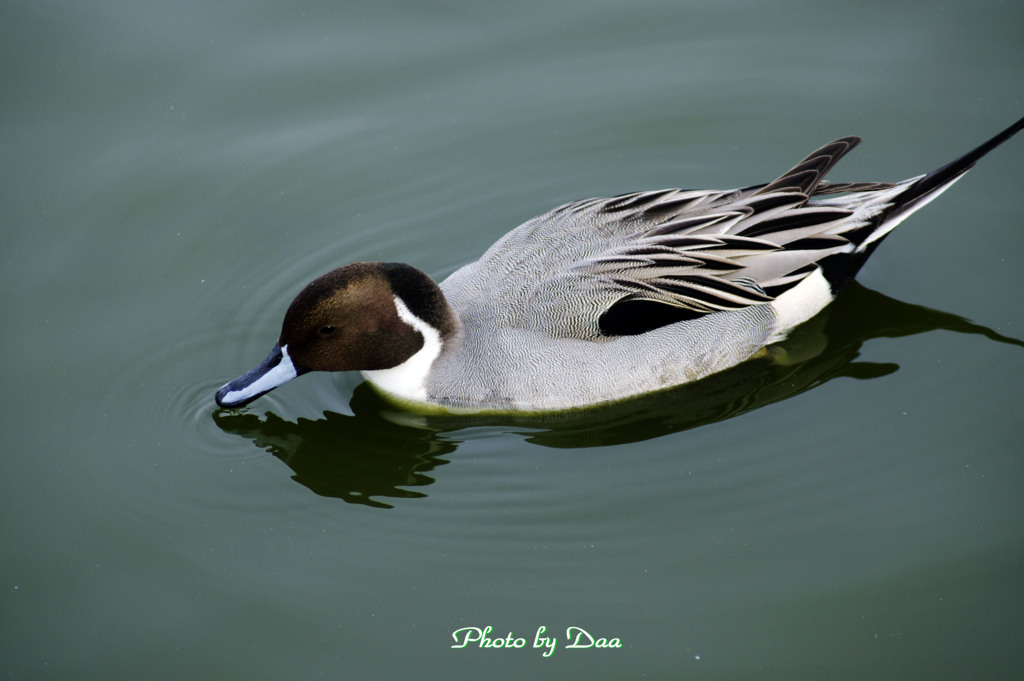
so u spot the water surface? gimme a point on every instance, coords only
(173, 173)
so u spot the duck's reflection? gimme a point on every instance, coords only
(356, 458)
(380, 452)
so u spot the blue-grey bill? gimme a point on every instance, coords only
(277, 369)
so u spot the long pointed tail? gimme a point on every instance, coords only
(906, 197)
(934, 183)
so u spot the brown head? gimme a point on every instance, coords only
(347, 319)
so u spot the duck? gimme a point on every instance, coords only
(604, 299)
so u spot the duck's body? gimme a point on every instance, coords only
(603, 299)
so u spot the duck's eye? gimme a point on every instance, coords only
(326, 330)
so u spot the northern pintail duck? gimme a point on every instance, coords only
(602, 299)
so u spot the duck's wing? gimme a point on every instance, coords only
(632, 263)
(731, 250)
(697, 253)
(669, 277)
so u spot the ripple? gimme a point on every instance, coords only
(173, 386)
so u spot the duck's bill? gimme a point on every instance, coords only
(277, 369)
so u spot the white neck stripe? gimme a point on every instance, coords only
(408, 379)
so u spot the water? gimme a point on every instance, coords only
(174, 172)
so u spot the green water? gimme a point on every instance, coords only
(173, 173)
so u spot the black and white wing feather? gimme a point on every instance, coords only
(707, 252)
(632, 263)
(699, 253)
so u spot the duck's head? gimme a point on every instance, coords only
(364, 316)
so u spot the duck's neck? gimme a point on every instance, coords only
(419, 303)
(421, 296)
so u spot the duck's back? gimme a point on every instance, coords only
(535, 277)
(530, 336)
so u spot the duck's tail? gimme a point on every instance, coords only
(896, 203)
(923, 189)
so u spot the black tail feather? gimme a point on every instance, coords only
(839, 269)
(938, 179)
